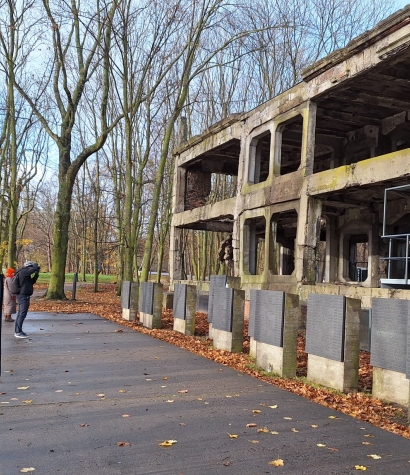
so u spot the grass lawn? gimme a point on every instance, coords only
(44, 278)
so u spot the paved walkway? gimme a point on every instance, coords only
(86, 396)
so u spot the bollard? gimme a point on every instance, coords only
(75, 278)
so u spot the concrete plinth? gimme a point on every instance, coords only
(391, 386)
(326, 372)
(269, 357)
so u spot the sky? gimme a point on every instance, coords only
(402, 3)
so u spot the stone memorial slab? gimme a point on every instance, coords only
(269, 316)
(214, 282)
(222, 309)
(147, 297)
(125, 294)
(252, 312)
(325, 326)
(179, 308)
(389, 334)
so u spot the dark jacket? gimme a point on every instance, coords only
(25, 280)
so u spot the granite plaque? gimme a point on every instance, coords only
(179, 307)
(389, 334)
(325, 326)
(147, 298)
(269, 317)
(215, 281)
(222, 309)
(252, 312)
(125, 294)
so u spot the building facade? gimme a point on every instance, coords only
(311, 167)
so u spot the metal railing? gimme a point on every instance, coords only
(400, 239)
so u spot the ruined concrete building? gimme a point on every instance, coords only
(312, 167)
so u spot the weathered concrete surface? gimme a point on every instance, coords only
(391, 386)
(70, 428)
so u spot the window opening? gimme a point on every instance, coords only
(291, 146)
(260, 158)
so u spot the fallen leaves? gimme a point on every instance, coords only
(360, 467)
(252, 424)
(277, 463)
(27, 470)
(23, 387)
(374, 456)
(123, 444)
(232, 436)
(167, 443)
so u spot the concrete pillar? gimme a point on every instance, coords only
(308, 138)
(308, 235)
(332, 252)
(134, 295)
(176, 234)
(176, 262)
(374, 253)
(187, 325)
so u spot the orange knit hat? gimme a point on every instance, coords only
(10, 272)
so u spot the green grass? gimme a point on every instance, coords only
(44, 278)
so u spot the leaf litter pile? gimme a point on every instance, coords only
(360, 405)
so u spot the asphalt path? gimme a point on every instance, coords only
(87, 396)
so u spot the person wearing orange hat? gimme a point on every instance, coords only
(9, 300)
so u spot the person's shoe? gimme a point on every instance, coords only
(8, 318)
(21, 335)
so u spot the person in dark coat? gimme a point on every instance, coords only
(9, 299)
(28, 275)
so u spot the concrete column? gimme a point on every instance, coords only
(308, 235)
(134, 295)
(237, 320)
(374, 253)
(176, 263)
(157, 306)
(308, 138)
(178, 203)
(273, 248)
(332, 252)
